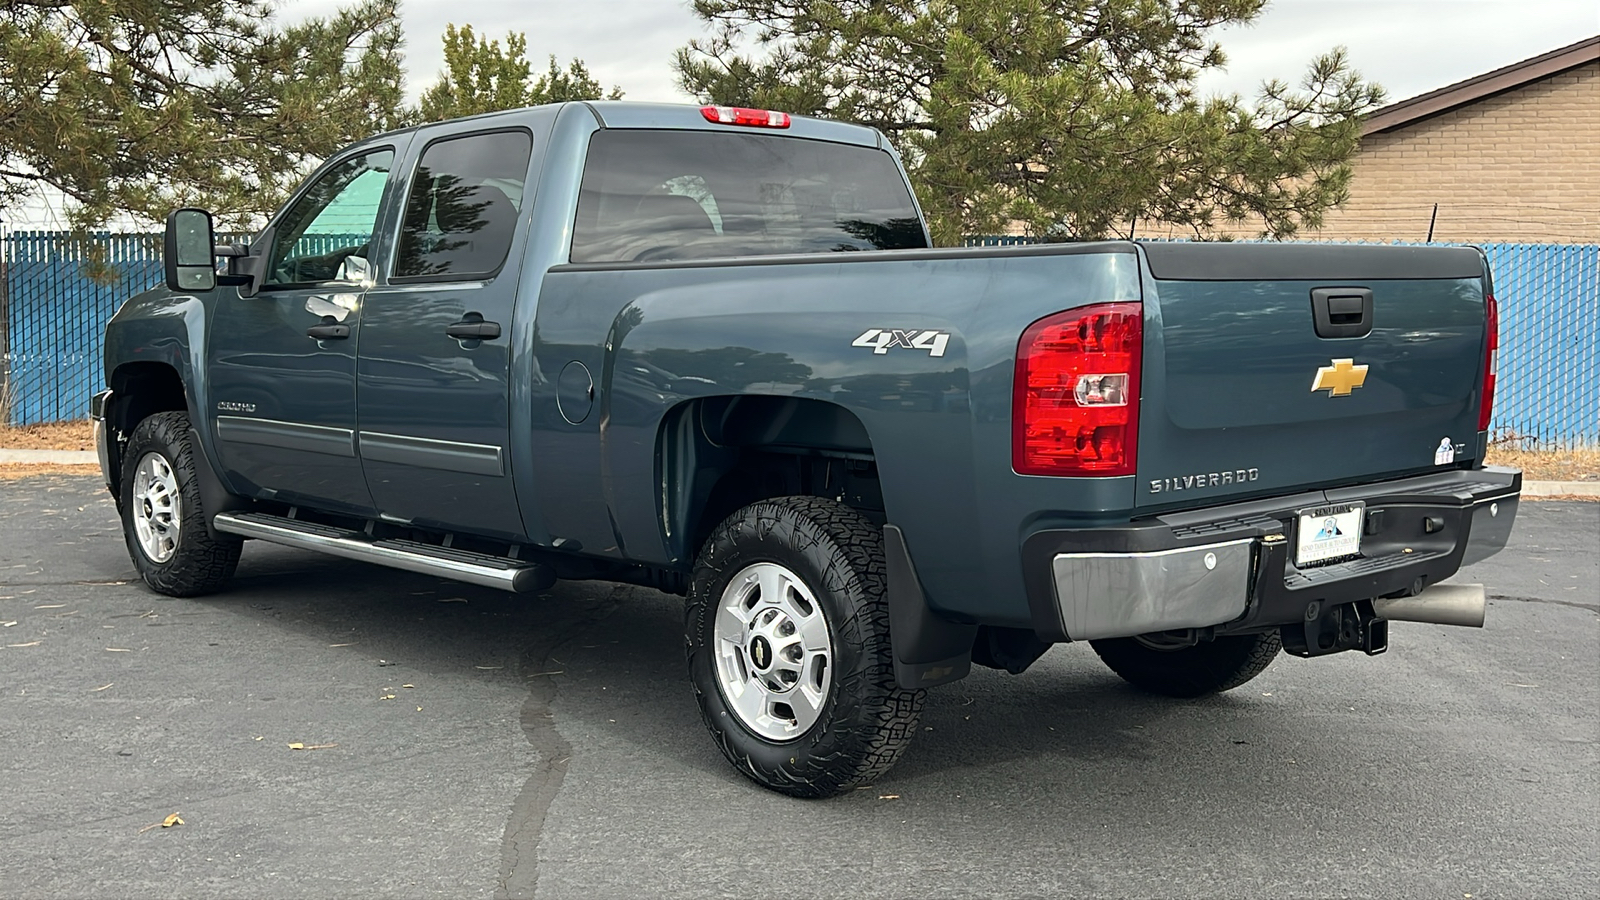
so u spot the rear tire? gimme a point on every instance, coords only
(1208, 667)
(787, 630)
(163, 520)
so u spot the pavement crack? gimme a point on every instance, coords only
(519, 848)
(1591, 607)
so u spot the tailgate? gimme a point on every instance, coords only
(1272, 367)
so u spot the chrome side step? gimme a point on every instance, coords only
(517, 576)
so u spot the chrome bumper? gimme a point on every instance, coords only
(1156, 574)
(102, 450)
(1103, 595)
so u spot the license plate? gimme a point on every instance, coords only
(1329, 532)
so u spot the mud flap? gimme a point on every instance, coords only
(928, 650)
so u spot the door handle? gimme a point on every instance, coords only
(472, 327)
(329, 330)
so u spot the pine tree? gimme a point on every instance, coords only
(482, 76)
(140, 106)
(1075, 119)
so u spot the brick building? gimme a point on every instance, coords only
(1511, 155)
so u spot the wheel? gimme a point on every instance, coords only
(787, 626)
(1192, 670)
(162, 519)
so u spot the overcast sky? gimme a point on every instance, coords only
(1408, 46)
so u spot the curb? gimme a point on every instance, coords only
(88, 458)
(51, 457)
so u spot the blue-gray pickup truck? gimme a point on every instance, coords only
(710, 350)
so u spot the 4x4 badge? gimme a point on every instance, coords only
(1340, 378)
(882, 340)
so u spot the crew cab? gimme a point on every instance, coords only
(711, 350)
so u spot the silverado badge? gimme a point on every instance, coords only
(1340, 378)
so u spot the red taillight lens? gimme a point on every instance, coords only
(1490, 363)
(1076, 396)
(741, 115)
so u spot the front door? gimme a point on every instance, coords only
(434, 399)
(282, 363)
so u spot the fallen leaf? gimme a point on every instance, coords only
(297, 746)
(260, 737)
(408, 685)
(28, 644)
(118, 650)
(8, 624)
(419, 709)
(102, 687)
(387, 697)
(172, 820)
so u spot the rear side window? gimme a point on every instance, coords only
(663, 195)
(463, 207)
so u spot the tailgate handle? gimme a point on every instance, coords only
(1342, 312)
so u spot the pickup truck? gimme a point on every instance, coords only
(711, 350)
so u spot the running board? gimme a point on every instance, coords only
(517, 576)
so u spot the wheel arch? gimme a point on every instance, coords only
(718, 454)
(142, 389)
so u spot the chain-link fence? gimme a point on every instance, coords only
(53, 316)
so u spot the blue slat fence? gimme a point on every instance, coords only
(52, 320)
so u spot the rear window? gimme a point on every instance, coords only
(663, 195)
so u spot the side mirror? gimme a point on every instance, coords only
(189, 251)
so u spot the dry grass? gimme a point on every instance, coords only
(16, 471)
(1580, 464)
(48, 436)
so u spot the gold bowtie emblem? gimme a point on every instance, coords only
(1340, 378)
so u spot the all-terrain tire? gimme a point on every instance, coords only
(198, 563)
(1208, 667)
(866, 720)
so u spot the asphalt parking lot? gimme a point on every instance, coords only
(465, 743)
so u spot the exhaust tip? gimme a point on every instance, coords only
(1442, 604)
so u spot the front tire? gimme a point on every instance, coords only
(787, 630)
(1208, 667)
(163, 520)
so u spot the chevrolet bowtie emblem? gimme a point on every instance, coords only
(1340, 378)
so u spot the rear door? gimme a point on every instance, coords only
(435, 348)
(1277, 367)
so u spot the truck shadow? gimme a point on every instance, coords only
(613, 655)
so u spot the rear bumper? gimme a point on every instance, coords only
(1232, 567)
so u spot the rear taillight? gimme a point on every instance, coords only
(1486, 408)
(1075, 402)
(740, 115)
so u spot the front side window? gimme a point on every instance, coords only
(462, 210)
(333, 220)
(662, 195)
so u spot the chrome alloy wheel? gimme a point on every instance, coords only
(157, 516)
(773, 652)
